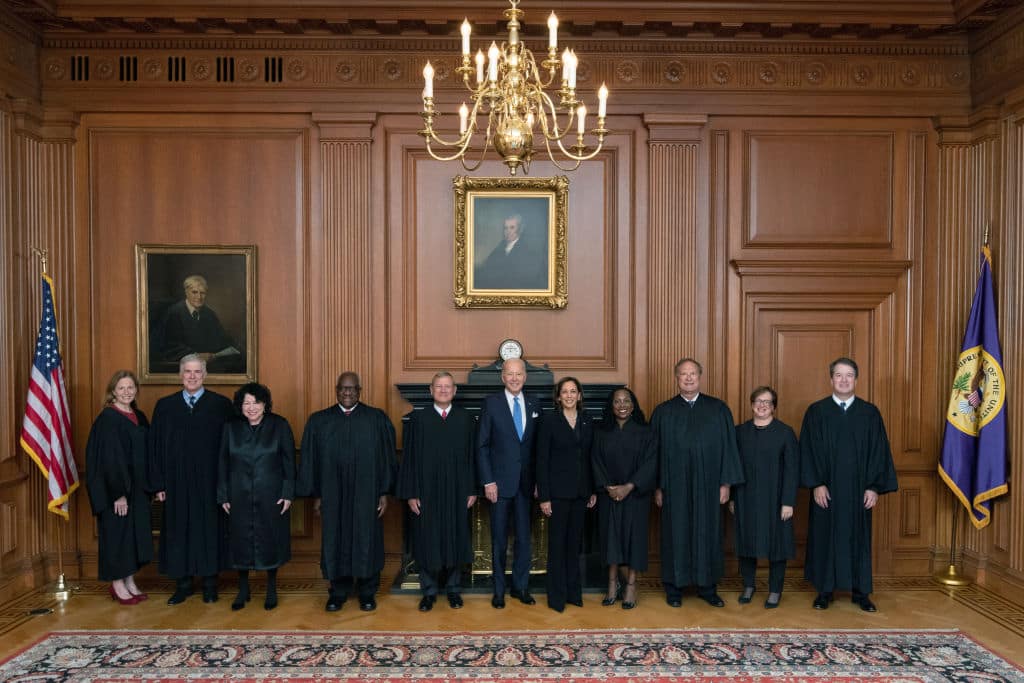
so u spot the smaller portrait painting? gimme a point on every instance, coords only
(510, 242)
(199, 300)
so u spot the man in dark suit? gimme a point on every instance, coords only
(504, 459)
(515, 263)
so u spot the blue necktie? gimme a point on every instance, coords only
(842, 404)
(517, 417)
(191, 402)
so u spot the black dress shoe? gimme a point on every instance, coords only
(822, 601)
(768, 604)
(180, 595)
(865, 603)
(557, 608)
(746, 596)
(334, 604)
(578, 603)
(368, 604)
(674, 602)
(498, 602)
(455, 601)
(523, 597)
(427, 603)
(713, 599)
(608, 601)
(209, 595)
(270, 602)
(626, 604)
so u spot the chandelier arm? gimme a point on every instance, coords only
(551, 156)
(580, 157)
(546, 100)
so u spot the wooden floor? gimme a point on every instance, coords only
(908, 603)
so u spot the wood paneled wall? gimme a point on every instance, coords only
(836, 210)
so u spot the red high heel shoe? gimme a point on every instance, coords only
(124, 601)
(139, 597)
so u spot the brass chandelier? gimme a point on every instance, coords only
(510, 96)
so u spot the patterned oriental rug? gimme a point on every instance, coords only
(733, 656)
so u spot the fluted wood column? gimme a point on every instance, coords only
(1008, 539)
(967, 166)
(678, 310)
(38, 153)
(349, 297)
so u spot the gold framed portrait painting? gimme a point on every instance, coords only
(510, 242)
(196, 299)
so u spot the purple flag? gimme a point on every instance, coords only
(973, 460)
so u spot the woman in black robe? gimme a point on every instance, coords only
(625, 473)
(256, 486)
(115, 461)
(565, 488)
(763, 506)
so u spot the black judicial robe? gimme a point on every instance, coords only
(115, 462)
(257, 468)
(182, 334)
(849, 453)
(770, 458)
(439, 468)
(348, 463)
(624, 455)
(696, 455)
(184, 456)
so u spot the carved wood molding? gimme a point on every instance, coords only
(841, 269)
(864, 74)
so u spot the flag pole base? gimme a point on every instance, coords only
(951, 577)
(60, 590)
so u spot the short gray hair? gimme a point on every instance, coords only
(193, 280)
(188, 358)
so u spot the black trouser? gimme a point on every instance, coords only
(430, 581)
(674, 592)
(366, 586)
(565, 537)
(776, 573)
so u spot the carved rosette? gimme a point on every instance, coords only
(55, 69)
(392, 70)
(297, 69)
(104, 69)
(152, 69)
(248, 69)
(627, 71)
(675, 71)
(816, 73)
(345, 71)
(721, 73)
(201, 69)
(584, 72)
(768, 73)
(862, 74)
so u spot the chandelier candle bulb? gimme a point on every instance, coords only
(428, 81)
(480, 59)
(552, 31)
(602, 102)
(466, 30)
(582, 114)
(572, 70)
(492, 62)
(463, 115)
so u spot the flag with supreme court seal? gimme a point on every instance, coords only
(973, 462)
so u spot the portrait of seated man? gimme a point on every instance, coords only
(190, 326)
(518, 262)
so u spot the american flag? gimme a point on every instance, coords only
(46, 430)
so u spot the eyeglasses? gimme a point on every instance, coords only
(763, 402)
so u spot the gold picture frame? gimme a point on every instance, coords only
(492, 270)
(171, 324)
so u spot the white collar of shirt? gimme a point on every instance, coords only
(198, 394)
(510, 245)
(342, 408)
(840, 402)
(442, 411)
(511, 401)
(191, 309)
(690, 401)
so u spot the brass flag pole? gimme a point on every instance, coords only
(60, 590)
